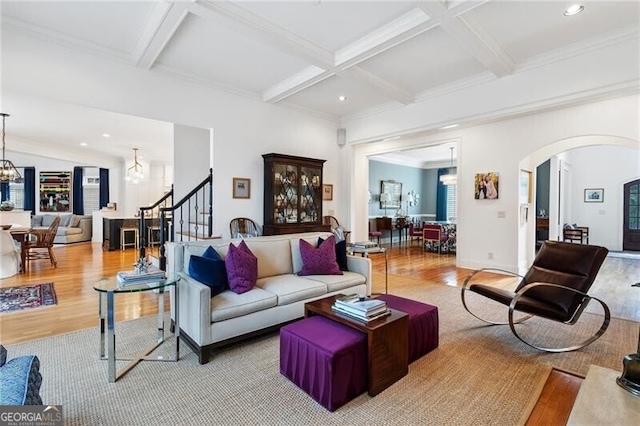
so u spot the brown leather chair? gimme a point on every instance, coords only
(39, 243)
(555, 288)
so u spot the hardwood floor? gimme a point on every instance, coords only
(81, 265)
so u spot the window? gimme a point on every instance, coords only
(16, 194)
(91, 194)
(452, 204)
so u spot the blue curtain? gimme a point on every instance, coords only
(4, 191)
(30, 189)
(78, 198)
(104, 187)
(441, 197)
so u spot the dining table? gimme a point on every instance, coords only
(20, 234)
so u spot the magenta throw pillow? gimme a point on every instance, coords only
(321, 260)
(242, 268)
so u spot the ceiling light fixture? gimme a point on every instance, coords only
(134, 173)
(574, 10)
(106, 135)
(342, 98)
(449, 178)
(83, 144)
(8, 171)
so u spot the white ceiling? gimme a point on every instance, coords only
(304, 54)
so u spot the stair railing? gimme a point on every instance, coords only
(149, 223)
(191, 218)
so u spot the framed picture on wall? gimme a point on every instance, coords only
(486, 186)
(241, 188)
(327, 192)
(55, 191)
(594, 195)
(526, 197)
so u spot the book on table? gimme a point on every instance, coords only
(360, 304)
(134, 277)
(359, 316)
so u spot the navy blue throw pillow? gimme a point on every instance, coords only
(341, 253)
(209, 271)
(211, 253)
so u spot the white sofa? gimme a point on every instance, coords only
(277, 298)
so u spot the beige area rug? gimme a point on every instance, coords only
(478, 376)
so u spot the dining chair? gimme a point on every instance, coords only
(242, 227)
(573, 235)
(39, 243)
(333, 222)
(384, 224)
(433, 233)
(414, 232)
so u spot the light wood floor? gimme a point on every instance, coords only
(81, 265)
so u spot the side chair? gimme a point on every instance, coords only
(434, 233)
(39, 243)
(242, 227)
(554, 288)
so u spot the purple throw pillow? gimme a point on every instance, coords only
(321, 260)
(242, 268)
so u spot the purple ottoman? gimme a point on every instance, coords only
(423, 324)
(325, 359)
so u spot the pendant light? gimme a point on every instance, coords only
(134, 173)
(8, 172)
(450, 178)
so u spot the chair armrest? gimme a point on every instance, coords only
(361, 265)
(477, 271)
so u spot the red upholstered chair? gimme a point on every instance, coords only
(432, 232)
(415, 232)
(374, 234)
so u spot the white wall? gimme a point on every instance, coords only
(504, 147)
(243, 128)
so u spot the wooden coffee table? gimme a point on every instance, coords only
(387, 342)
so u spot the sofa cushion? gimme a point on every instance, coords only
(36, 221)
(209, 271)
(242, 268)
(228, 304)
(75, 221)
(47, 219)
(338, 282)
(274, 256)
(68, 231)
(291, 288)
(320, 260)
(341, 253)
(65, 219)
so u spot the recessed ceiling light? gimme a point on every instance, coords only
(450, 126)
(342, 98)
(574, 10)
(83, 144)
(106, 135)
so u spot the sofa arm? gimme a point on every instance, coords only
(361, 265)
(86, 224)
(195, 309)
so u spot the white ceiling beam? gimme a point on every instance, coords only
(297, 82)
(392, 90)
(161, 26)
(470, 35)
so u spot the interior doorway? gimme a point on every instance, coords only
(631, 231)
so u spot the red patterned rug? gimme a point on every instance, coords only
(26, 297)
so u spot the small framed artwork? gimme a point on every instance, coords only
(486, 186)
(327, 192)
(526, 197)
(241, 188)
(594, 195)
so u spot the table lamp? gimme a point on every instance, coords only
(385, 197)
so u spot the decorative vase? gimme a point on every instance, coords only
(7, 206)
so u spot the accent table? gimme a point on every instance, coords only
(108, 288)
(365, 252)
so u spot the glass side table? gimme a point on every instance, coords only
(365, 252)
(107, 289)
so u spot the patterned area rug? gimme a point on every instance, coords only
(26, 297)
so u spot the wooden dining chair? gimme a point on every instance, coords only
(39, 243)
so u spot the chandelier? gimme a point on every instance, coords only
(134, 173)
(450, 178)
(8, 171)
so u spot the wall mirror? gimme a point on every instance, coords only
(394, 189)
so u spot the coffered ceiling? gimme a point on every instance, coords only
(305, 54)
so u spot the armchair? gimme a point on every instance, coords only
(434, 233)
(554, 288)
(20, 380)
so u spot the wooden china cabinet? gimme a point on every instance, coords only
(292, 195)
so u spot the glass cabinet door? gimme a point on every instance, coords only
(285, 193)
(310, 193)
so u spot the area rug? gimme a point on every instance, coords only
(478, 375)
(27, 297)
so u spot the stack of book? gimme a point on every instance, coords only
(126, 278)
(360, 308)
(365, 245)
